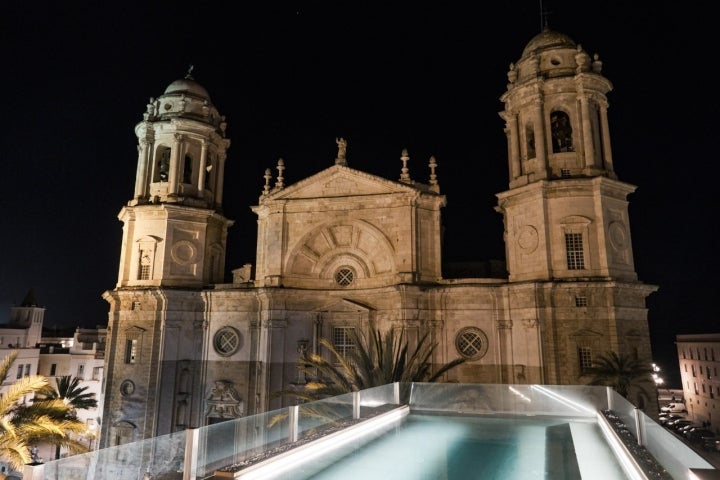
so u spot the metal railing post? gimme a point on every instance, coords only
(192, 446)
(356, 404)
(293, 427)
(639, 426)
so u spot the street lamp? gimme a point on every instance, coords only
(656, 376)
(658, 381)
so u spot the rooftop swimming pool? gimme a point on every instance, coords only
(432, 447)
(428, 431)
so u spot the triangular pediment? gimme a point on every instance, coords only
(134, 331)
(340, 181)
(586, 332)
(634, 332)
(344, 305)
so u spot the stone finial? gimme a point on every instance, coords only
(268, 176)
(597, 64)
(223, 125)
(405, 171)
(434, 186)
(582, 59)
(342, 151)
(512, 74)
(280, 167)
(151, 110)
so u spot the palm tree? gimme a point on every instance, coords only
(41, 420)
(73, 395)
(69, 389)
(375, 360)
(627, 375)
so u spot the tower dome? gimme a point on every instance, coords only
(187, 86)
(187, 99)
(548, 39)
(550, 54)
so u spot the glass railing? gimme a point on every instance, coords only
(581, 401)
(165, 453)
(233, 445)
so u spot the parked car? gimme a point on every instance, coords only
(678, 424)
(674, 408)
(670, 417)
(699, 434)
(712, 444)
(686, 428)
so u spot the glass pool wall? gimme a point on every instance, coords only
(209, 451)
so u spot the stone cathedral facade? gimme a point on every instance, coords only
(344, 249)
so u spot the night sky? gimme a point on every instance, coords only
(292, 77)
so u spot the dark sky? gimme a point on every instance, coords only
(292, 77)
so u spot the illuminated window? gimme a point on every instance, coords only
(130, 350)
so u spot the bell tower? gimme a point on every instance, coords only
(174, 232)
(566, 214)
(567, 235)
(173, 247)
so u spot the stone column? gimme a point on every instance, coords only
(141, 188)
(587, 133)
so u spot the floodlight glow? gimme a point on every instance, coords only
(564, 400)
(520, 394)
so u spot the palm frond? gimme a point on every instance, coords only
(627, 375)
(6, 363)
(377, 359)
(31, 412)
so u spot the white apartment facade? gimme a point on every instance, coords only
(79, 353)
(699, 361)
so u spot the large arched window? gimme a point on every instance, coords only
(562, 134)
(208, 169)
(162, 170)
(187, 169)
(530, 141)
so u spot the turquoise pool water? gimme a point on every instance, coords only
(431, 447)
